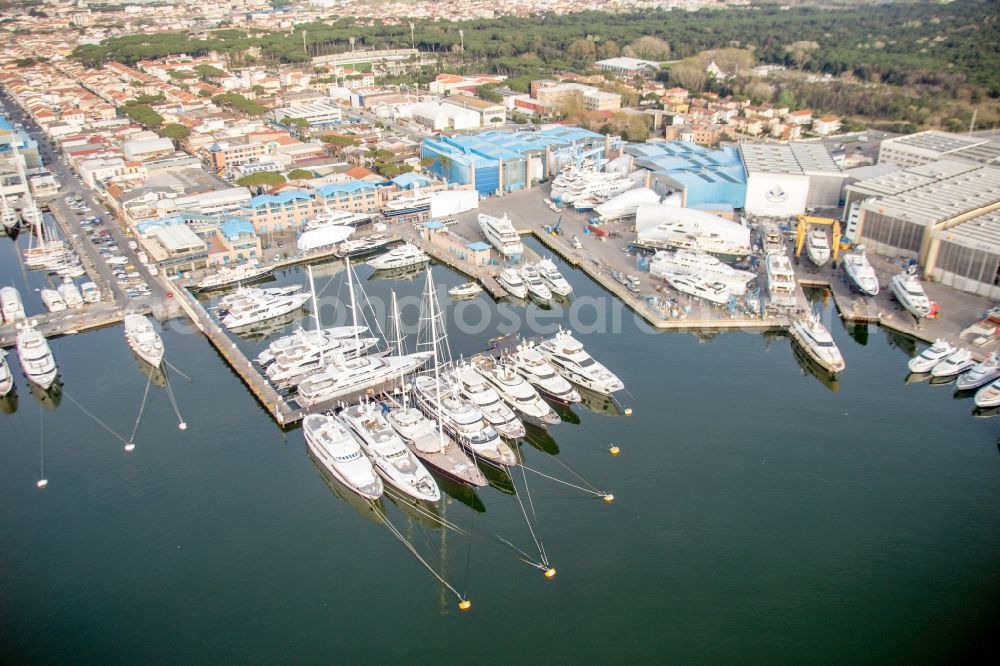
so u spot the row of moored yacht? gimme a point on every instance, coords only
(539, 281)
(942, 360)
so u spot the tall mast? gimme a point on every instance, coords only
(354, 305)
(434, 343)
(312, 291)
(398, 331)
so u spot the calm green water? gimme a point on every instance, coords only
(760, 515)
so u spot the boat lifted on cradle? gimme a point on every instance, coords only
(861, 274)
(909, 292)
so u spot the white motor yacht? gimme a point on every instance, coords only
(818, 246)
(780, 278)
(340, 454)
(143, 339)
(71, 295)
(569, 358)
(989, 395)
(515, 390)
(341, 377)
(502, 235)
(395, 463)
(227, 277)
(713, 292)
(293, 365)
(8, 219)
(533, 366)
(403, 256)
(473, 387)
(511, 281)
(931, 356)
(462, 421)
(910, 293)
(954, 364)
(245, 295)
(860, 273)
(701, 264)
(433, 446)
(52, 300)
(339, 217)
(6, 376)
(555, 281)
(979, 375)
(534, 284)
(258, 308)
(816, 341)
(91, 292)
(359, 247)
(465, 290)
(37, 361)
(11, 306)
(330, 338)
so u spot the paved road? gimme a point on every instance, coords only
(71, 185)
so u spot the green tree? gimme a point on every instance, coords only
(300, 174)
(263, 178)
(174, 131)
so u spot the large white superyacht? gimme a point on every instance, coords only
(702, 264)
(11, 306)
(515, 390)
(533, 366)
(143, 339)
(260, 305)
(229, 276)
(473, 387)
(699, 287)
(502, 235)
(341, 455)
(571, 360)
(860, 273)
(555, 281)
(37, 361)
(6, 376)
(301, 341)
(393, 461)
(815, 340)
(780, 278)
(909, 292)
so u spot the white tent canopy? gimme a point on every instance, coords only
(324, 236)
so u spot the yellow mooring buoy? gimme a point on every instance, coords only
(628, 411)
(609, 498)
(464, 605)
(550, 572)
(614, 450)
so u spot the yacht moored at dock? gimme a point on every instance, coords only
(954, 364)
(980, 374)
(341, 455)
(393, 461)
(37, 361)
(816, 341)
(512, 283)
(931, 356)
(52, 300)
(403, 256)
(301, 338)
(433, 446)
(533, 366)
(257, 306)
(11, 306)
(6, 376)
(515, 390)
(555, 281)
(143, 339)
(474, 387)
(568, 357)
(465, 290)
(228, 277)
(534, 284)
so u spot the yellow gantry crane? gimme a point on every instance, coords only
(805, 221)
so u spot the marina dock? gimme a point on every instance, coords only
(69, 322)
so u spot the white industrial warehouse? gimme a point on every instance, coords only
(784, 180)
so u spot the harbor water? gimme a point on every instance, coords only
(760, 512)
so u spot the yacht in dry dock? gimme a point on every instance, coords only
(392, 460)
(501, 234)
(818, 247)
(143, 339)
(37, 361)
(909, 292)
(533, 366)
(860, 273)
(815, 340)
(698, 287)
(473, 387)
(780, 279)
(341, 455)
(931, 356)
(701, 264)
(569, 358)
(979, 375)
(515, 390)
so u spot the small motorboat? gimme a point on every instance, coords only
(979, 375)
(465, 290)
(989, 395)
(955, 364)
(931, 356)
